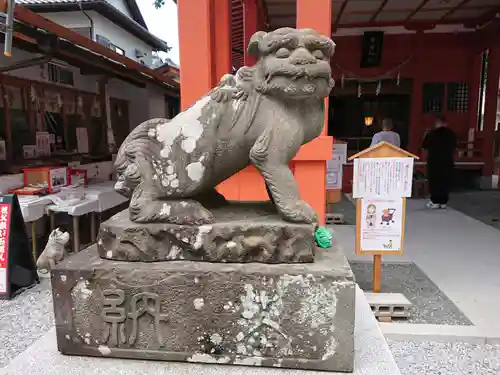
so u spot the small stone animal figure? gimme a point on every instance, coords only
(54, 251)
(260, 116)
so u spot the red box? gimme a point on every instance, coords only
(78, 177)
(51, 178)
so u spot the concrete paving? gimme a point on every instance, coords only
(459, 254)
(372, 357)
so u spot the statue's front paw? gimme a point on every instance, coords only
(300, 212)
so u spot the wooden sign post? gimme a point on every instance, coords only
(382, 181)
(17, 266)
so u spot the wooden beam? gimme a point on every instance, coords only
(454, 9)
(417, 9)
(341, 11)
(24, 15)
(379, 10)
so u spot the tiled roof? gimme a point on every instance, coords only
(132, 5)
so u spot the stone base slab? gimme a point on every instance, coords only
(242, 232)
(286, 315)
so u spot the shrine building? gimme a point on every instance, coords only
(407, 60)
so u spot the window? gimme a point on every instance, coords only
(433, 97)
(457, 97)
(59, 74)
(107, 43)
(117, 49)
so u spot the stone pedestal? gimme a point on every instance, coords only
(285, 315)
(242, 232)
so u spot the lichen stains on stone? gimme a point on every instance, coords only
(109, 254)
(198, 303)
(165, 209)
(241, 349)
(250, 361)
(187, 125)
(174, 252)
(81, 290)
(250, 307)
(202, 230)
(104, 350)
(152, 133)
(278, 363)
(207, 358)
(330, 348)
(216, 338)
(195, 170)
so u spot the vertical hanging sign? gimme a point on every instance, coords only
(4, 245)
(17, 266)
(371, 49)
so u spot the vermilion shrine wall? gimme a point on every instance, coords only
(440, 58)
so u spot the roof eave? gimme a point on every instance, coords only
(109, 12)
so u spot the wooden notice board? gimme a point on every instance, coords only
(382, 180)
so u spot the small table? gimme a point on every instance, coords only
(107, 198)
(33, 209)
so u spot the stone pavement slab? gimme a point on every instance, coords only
(372, 357)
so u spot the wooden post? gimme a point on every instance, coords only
(490, 112)
(381, 150)
(250, 26)
(222, 38)
(195, 49)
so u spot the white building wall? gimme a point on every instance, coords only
(39, 72)
(121, 6)
(144, 103)
(106, 28)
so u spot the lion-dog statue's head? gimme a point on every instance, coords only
(292, 63)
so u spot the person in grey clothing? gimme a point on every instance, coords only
(386, 134)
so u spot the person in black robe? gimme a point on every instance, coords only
(440, 144)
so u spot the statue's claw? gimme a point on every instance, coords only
(300, 212)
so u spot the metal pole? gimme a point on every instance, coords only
(9, 29)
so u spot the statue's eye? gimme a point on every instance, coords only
(283, 53)
(318, 54)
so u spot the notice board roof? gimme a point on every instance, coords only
(383, 150)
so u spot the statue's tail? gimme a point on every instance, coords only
(139, 142)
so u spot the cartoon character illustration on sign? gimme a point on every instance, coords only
(371, 211)
(388, 216)
(389, 245)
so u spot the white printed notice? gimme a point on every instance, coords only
(381, 224)
(382, 177)
(334, 172)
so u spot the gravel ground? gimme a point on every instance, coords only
(481, 205)
(435, 358)
(430, 304)
(24, 319)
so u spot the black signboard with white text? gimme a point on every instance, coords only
(17, 267)
(371, 49)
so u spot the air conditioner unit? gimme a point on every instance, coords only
(139, 53)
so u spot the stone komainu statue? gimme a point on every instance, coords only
(262, 116)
